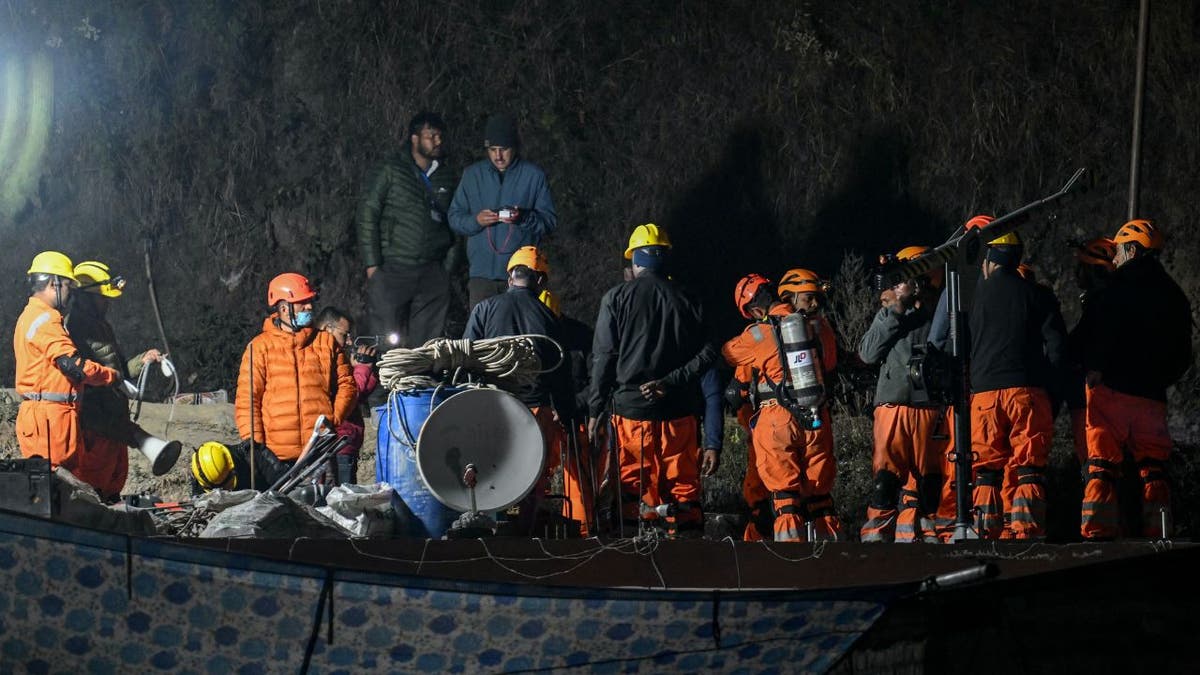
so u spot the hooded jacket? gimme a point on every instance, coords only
(297, 378)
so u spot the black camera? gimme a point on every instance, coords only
(931, 376)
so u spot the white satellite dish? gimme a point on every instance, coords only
(490, 429)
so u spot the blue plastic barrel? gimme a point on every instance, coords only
(400, 424)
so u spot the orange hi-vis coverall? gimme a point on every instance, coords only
(1137, 343)
(795, 464)
(48, 420)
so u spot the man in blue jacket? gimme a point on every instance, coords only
(501, 204)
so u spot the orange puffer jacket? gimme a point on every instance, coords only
(297, 378)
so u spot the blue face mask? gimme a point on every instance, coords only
(302, 319)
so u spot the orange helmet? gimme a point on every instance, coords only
(291, 287)
(911, 252)
(1141, 232)
(799, 280)
(1099, 252)
(746, 289)
(530, 257)
(1027, 273)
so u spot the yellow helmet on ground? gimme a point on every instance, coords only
(52, 262)
(95, 277)
(212, 466)
(646, 235)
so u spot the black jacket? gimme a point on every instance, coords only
(649, 329)
(1137, 332)
(519, 312)
(1017, 334)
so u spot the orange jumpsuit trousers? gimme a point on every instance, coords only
(48, 419)
(1116, 421)
(799, 469)
(1011, 425)
(910, 444)
(659, 467)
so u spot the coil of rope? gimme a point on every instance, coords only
(510, 363)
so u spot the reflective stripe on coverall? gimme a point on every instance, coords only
(1116, 421)
(49, 428)
(1011, 424)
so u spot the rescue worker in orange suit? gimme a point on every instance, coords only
(293, 374)
(104, 414)
(807, 293)
(760, 520)
(51, 372)
(1017, 342)
(1127, 385)
(911, 431)
(518, 311)
(648, 355)
(794, 460)
(1093, 269)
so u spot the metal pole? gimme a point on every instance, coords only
(1139, 93)
(964, 504)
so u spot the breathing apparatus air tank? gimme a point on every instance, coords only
(802, 361)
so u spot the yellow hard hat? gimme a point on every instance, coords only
(52, 262)
(1010, 239)
(530, 257)
(550, 301)
(95, 277)
(646, 235)
(212, 466)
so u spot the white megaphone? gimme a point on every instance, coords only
(162, 454)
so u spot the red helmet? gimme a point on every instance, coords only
(291, 287)
(746, 289)
(980, 221)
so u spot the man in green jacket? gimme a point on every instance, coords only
(403, 237)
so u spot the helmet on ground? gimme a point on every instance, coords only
(291, 287)
(212, 467)
(1141, 232)
(52, 262)
(95, 277)
(911, 252)
(1099, 252)
(530, 257)
(550, 301)
(800, 280)
(647, 235)
(746, 289)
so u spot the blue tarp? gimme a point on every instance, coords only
(77, 600)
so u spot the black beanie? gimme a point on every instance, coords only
(501, 130)
(1005, 255)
